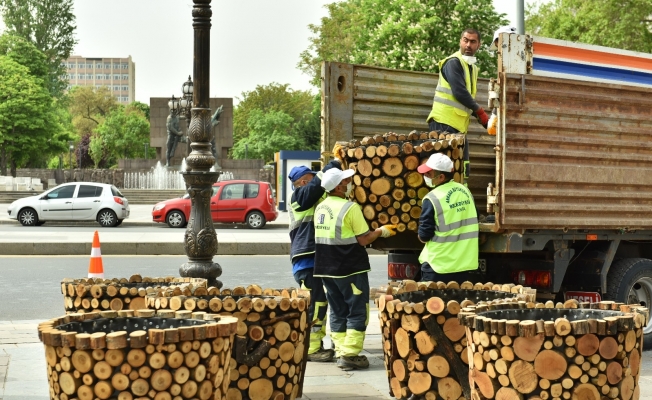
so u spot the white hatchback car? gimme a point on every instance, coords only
(75, 201)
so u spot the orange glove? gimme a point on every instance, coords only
(387, 231)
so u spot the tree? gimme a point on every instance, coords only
(268, 133)
(50, 26)
(121, 134)
(402, 34)
(27, 116)
(89, 106)
(623, 24)
(308, 128)
(142, 107)
(265, 98)
(26, 54)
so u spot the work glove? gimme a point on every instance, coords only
(387, 231)
(483, 118)
(338, 152)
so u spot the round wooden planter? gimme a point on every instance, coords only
(555, 353)
(423, 341)
(97, 294)
(271, 342)
(103, 355)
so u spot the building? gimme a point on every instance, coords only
(285, 161)
(118, 74)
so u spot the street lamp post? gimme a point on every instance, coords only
(71, 147)
(200, 239)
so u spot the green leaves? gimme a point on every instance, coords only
(402, 34)
(120, 135)
(268, 133)
(624, 24)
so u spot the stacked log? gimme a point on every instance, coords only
(549, 353)
(109, 354)
(425, 347)
(386, 183)
(97, 294)
(271, 342)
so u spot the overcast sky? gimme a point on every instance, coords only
(253, 42)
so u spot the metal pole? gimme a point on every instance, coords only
(520, 16)
(200, 240)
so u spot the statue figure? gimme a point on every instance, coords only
(174, 135)
(215, 120)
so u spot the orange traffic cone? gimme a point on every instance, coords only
(95, 269)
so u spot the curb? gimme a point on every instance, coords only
(125, 223)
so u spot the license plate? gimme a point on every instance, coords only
(591, 297)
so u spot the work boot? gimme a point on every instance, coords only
(321, 355)
(347, 363)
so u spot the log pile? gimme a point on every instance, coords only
(271, 342)
(102, 355)
(97, 294)
(583, 351)
(425, 346)
(386, 183)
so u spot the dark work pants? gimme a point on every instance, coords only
(429, 275)
(348, 299)
(318, 306)
(443, 128)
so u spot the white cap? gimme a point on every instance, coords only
(502, 29)
(333, 177)
(438, 162)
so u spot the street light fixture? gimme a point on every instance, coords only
(200, 239)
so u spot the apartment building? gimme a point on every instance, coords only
(118, 74)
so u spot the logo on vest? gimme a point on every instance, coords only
(321, 218)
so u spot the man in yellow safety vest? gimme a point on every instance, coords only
(341, 232)
(454, 101)
(448, 224)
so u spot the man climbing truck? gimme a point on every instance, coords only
(567, 176)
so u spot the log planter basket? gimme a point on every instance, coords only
(590, 353)
(271, 342)
(424, 344)
(128, 354)
(97, 294)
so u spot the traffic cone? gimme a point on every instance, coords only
(95, 269)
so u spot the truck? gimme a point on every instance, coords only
(564, 187)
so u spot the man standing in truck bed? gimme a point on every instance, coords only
(448, 224)
(454, 101)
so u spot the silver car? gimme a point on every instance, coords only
(76, 201)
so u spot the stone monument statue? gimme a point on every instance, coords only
(174, 136)
(215, 120)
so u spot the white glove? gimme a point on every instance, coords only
(387, 231)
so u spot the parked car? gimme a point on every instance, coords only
(77, 201)
(234, 201)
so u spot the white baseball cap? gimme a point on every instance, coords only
(438, 162)
(333, 177)
(502, 29)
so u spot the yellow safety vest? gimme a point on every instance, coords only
(338, 253)
(445, 107)
(454, 248)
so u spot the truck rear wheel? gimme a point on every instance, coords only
(630, 281)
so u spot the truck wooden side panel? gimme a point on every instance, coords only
(361, 100)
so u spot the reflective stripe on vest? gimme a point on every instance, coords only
(441, 223)
(323, 236)
(451, 103)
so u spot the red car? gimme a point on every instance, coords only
(236, 201)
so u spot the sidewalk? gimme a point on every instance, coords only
(233, 239)
(23, 373)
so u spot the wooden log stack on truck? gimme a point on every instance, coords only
(565, 186)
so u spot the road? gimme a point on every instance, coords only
(30, 286)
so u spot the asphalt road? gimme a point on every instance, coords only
(30, 286)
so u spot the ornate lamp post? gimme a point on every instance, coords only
(200, 240)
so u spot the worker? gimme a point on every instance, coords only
(502, 29)
(454, 101)
(341, 234)
(448, 224)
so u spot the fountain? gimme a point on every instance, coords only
(162, 178)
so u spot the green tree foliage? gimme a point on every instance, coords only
(308, 128)
(120, 135)
(89, 107)
(28, 118)
(50, 26)
(623, 24)
(142, 107)
(403, 34)
(266, 98)
(269, 132)
(26, 54)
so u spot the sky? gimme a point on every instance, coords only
(253, 42)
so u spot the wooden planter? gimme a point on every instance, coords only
(423, 341)
(555, 353)
(96, 294)
(104, 355)
(271, 342)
